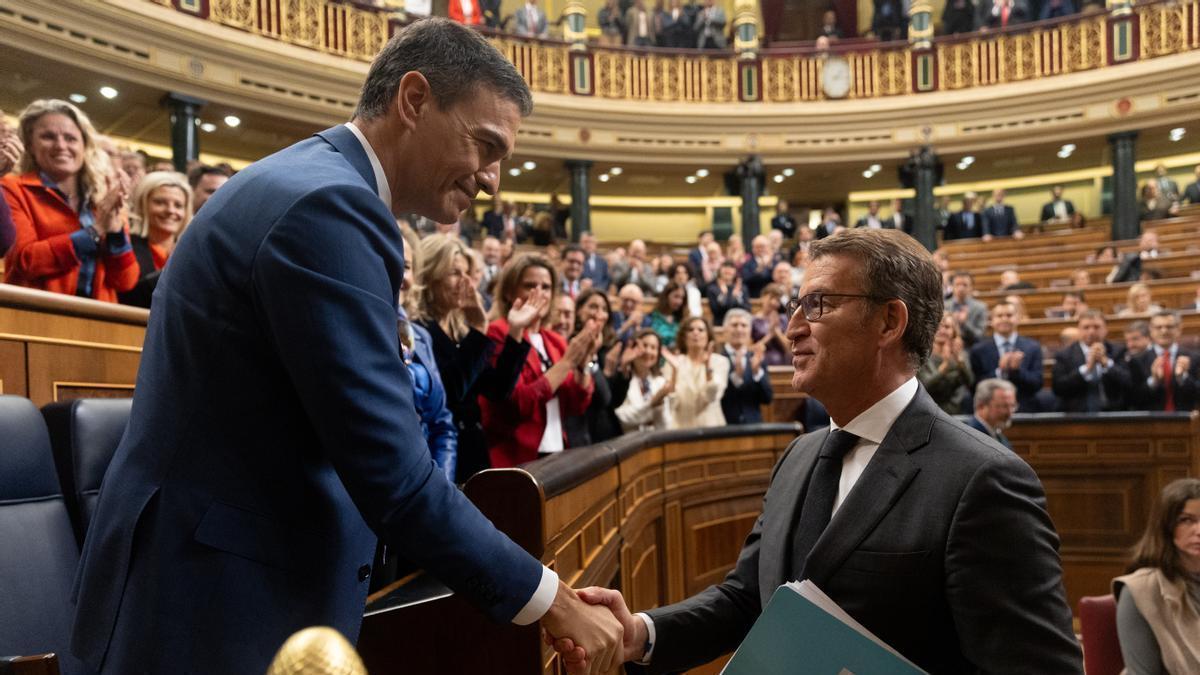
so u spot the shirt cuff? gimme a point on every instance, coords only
(117, 242)
(542, 598)
(650, 641)
(84, 246)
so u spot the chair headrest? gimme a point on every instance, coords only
(95, 427)
(26, 465)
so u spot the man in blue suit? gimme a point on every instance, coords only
(595, 267)
(1000, 219)
(273, 436)
(1009, 356)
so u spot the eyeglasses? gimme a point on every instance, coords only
(813, 304)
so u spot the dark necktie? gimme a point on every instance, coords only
(817, 509)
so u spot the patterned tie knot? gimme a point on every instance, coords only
(838, 444)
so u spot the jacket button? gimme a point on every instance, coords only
(364, 572)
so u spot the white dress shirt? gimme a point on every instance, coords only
(547, 588)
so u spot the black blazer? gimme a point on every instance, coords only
(985, 357)
(743, 404)
(1002, 224)
(139, 295)
(1048, 210)
(1076, 394)
(720, 303)
(963, 227)
(943, 549)
(1154, 398)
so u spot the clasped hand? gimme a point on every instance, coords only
(632, 635)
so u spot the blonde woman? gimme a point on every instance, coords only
(1139, 301)
(471, 367)
(68, 212)
(700, 378)
(162, 209)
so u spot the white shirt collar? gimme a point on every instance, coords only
(874, 423)
(1000, 340)
(381, 183)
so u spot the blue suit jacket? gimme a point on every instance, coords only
(429, 398)
(1003, 224)
(273, 436)
(963, 225)
(985, 357)
(595, 267)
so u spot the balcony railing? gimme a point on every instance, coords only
(1020, 53)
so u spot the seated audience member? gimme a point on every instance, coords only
(749, 386)
(782, 276)
(1131, 265)
(611, 24)
(1054, 9)
(634, 269)
(804, 239)
(630, 319)
(735, 252)
(563, 316)
(1168, 189)
(1165, 375)
(966, 223)
(1139, 301)
(133, 163)
(416, 346)
(711, 265)
(662, 265)
(1009, 356)
(1058, 210)
(770, 325)
(599, 423)
(958, 16)
(555, 382)
(799, 265)
(471, 366)
(162, 209)
(669, 312)
(530, 21)
(775, 238)
(700, 377)
(698, 257)
(1158, 601)
(1104, 254)
(1081, 278)
(756, 273)
(1010, 280)
(829, 26)
(645, 406)
(595, 267)
(995, 403)
(1088, 375)
(726, 293)
(640, 26)
(10, 155)
(1192, 192)
(1154, 205)
(1002, 13)
(946, 374)
(683, 275)
(783, 221)
(1000, 219)
(970, 314)
(871, 219)
(1137, 340)
(68, 210)
(573, 280)
(1073, 304)
(205, 180)
(890, 20)
(1018, 303)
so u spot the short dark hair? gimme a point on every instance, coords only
(894, 265)
(453, 58)
(1140, 326)
(199, 172)
(1093, 314)
(962, 273)
(573, 248)
(1075, 294)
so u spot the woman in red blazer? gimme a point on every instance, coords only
(68, 213)
(556, 380)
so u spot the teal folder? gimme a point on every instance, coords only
(803, 632)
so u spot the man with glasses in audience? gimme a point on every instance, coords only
(995, 403)
(933, 537)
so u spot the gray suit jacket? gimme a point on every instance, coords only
(943, 549)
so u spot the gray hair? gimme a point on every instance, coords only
(453, 58)
(735, 313)
(986, 390)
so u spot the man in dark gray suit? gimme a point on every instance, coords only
(930, 534)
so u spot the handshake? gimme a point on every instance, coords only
(592, 630)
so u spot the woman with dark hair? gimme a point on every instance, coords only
(700, 377)
(683, 275)
(947, 374)
(646, 405)
(1158, 602)
(669, 312)
(770, 324)
(555, 382)
(599, 422)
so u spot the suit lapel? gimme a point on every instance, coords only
(881, 485)
(780, 519)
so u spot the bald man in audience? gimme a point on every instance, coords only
(1088, 376)
(995, 403)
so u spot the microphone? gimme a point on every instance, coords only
(319, 650)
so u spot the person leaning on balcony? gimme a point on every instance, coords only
(639, 26)
(10, 155)
(68, 210)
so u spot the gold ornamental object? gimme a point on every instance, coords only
(319, 650)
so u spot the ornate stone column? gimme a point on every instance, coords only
(1125, 223)
(581, 212)
(750, 174)
(924, 180)
(185, 139)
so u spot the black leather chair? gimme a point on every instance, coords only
(84, 434)
(38, 552)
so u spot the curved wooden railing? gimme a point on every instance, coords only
(1019, 53)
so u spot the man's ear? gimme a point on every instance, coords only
(895, 321)
(413, 98)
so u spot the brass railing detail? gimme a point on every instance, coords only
(1041, 50)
